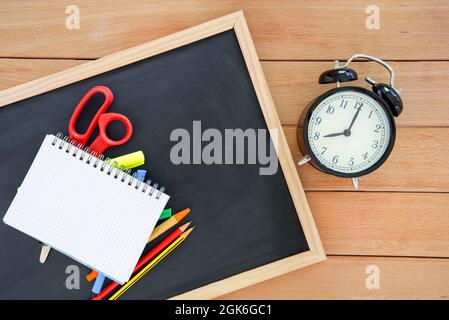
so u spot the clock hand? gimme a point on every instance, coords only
(353, 119)
(346, 132)
(334, 134)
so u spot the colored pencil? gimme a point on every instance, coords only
(160, 229)
(167, 224)
(151, 265)
(145, 259)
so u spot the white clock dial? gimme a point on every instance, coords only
(349, 132)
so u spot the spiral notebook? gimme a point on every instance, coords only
(86, 208)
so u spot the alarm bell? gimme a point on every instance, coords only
(389, 95)
(338, 75)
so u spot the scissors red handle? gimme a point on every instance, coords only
(108, 98)
(103, 119)
(102, 141)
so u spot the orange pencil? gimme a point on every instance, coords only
(160, 229)
(167, 224)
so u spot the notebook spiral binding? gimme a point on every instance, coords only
(78, 150)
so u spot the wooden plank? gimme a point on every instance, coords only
(19, 71)
(285, 29)
(382, 224)
(419, 162)
(344, 278)
(294, 84)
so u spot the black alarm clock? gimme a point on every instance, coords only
(350, 131)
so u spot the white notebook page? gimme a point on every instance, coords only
(85, 213)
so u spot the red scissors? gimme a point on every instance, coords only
(103, 119)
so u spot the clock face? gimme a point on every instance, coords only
(349, 132)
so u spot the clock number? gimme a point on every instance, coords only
(358, 103)
(351, 162)
(378, 126)
(375, 143)
(324, 150)
(370, 114)
(365, 156)
(343, 104)
(330, 109)
(335, 159)
(316, 136)
(318, 120)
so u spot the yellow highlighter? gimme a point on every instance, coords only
(130, 160)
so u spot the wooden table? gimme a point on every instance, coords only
(399, 221)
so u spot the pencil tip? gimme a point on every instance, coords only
(180, 215)
(186, 233)
(184, 226)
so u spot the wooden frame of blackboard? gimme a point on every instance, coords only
(234, 21)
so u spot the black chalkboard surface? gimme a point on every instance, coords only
(243, 220)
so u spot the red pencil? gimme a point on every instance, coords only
(145, 259)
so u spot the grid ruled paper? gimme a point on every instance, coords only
(83, 212)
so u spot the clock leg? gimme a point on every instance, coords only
(304, 160)
(355, 182)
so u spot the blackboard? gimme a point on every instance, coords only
(249, 227)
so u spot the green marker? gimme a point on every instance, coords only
(165, 214)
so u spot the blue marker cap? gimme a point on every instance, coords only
(98, 284)
(140, 174)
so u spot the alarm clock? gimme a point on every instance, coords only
(349, 131)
